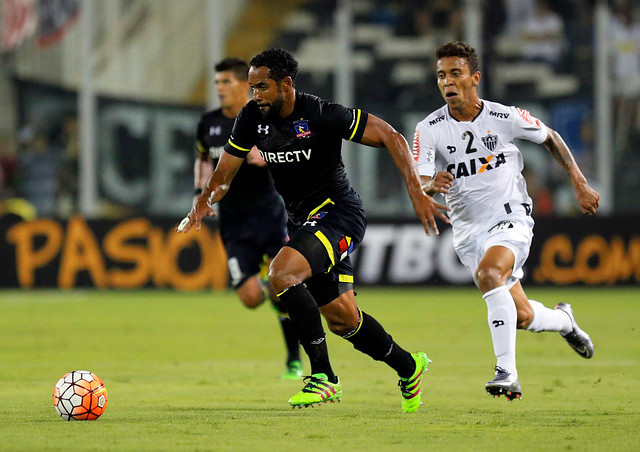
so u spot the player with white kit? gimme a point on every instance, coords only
(465, 150)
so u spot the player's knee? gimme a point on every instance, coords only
(277, 280)
(251, 302)
(281, 279)
(489, 278)
(252, 299)
(251, 292)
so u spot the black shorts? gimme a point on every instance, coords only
(251, 238)
(330, 234)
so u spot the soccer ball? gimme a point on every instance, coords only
(80, 395)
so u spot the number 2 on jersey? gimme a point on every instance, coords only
(469, 135)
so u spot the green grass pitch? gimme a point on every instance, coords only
(197, 371)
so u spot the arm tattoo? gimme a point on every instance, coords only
(559, 150)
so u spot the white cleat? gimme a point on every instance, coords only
(577, 339)
(504, 384)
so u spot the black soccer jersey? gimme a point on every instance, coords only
(252, 186)
(303, 150)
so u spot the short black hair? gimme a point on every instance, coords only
(281, 63)
(237, 66)
(461, 50)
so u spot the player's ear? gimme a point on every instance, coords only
(475, 79)
(287, 82)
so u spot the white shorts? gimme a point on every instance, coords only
(514, 233)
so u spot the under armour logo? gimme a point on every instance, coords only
(498, 323)
(263, 129)
(215, 130)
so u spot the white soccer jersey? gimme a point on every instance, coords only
(486, 165)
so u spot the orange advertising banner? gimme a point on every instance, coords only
(147, 252)
(127, 254)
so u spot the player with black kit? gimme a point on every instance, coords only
(252, 216)
(299, 136)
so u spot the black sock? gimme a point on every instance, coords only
(371, 338)
(290, 339)
(279, 306)
(289, 333)
(306, 321)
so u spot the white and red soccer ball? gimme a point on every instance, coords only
(80, 395)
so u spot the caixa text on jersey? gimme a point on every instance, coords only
(476, 166)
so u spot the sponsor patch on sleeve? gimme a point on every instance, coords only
(416, 145)
(528, 117)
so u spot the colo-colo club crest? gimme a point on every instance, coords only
(302, 128)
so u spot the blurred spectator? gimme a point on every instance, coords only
(516, 13)
(543, 34)
(625, 40)
(10, 204)
(38, 168)
(625, 36)
(8, 163)
(388, 13)
(442, 18)
(65, 144)
(324, 11)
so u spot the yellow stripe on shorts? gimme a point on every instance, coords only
(325, 241)
(314, 211)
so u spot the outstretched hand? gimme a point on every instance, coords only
(427, 209)
(200, 209)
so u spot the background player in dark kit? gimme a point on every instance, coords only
(252, 216)
(299, 136)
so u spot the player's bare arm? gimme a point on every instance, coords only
(379, 133)
(202, 169)
(441, 183)
(587, 197)
(215, 189)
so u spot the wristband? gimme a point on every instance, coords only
(197, 191)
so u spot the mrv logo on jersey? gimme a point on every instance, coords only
(476, 166)
(286, 157)
(499, 115)
(433, 122)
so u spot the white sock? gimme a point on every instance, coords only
(502, 317)
(545, 319)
